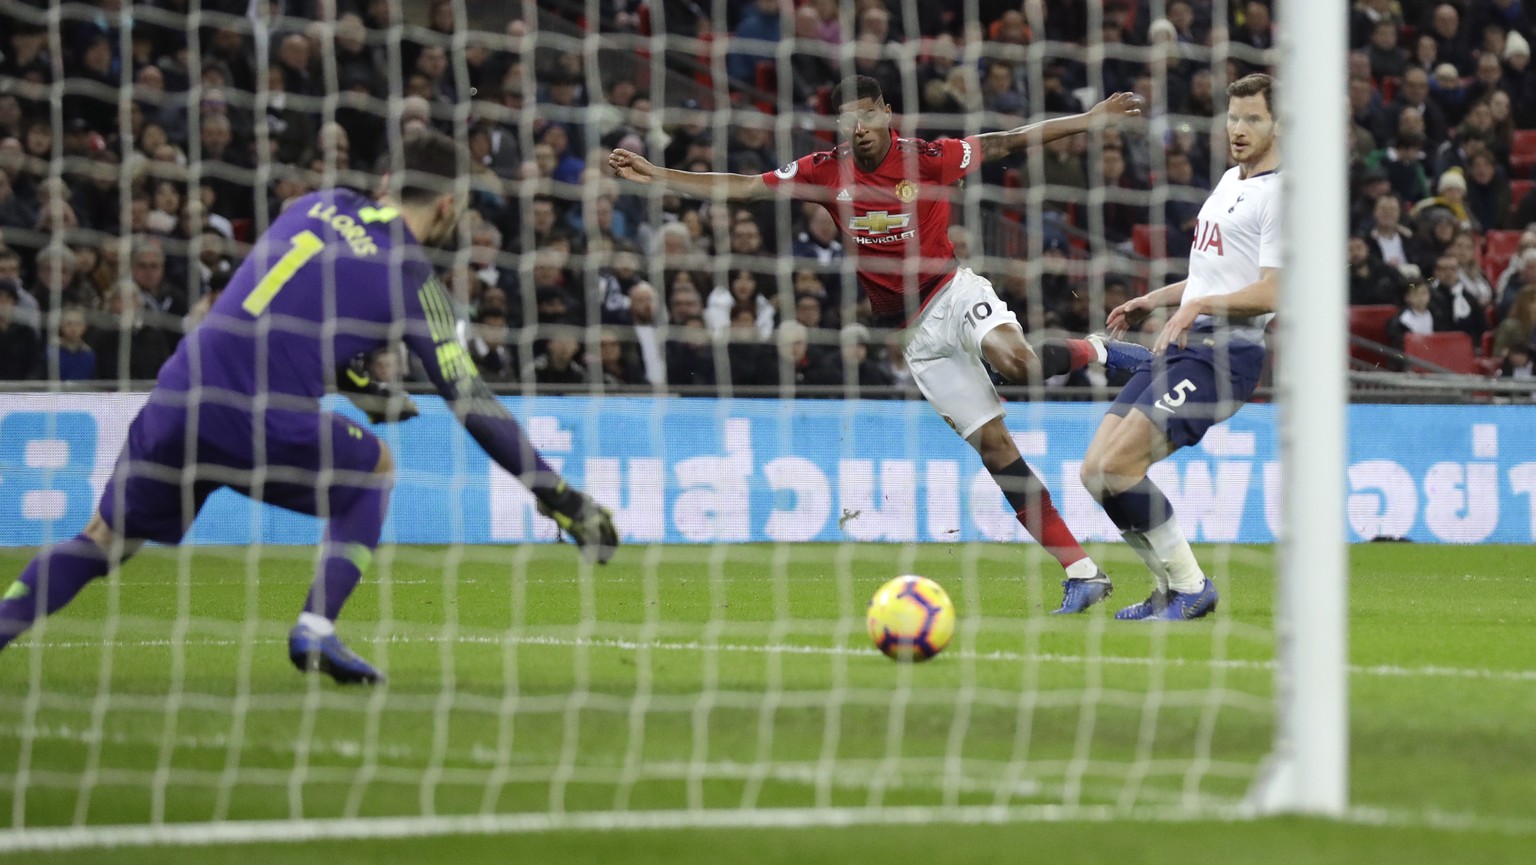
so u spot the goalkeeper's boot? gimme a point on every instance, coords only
(1079, 595)
(589, 524)
(1189, 605)
(1118, 355)
(312, 653)
(1154, 604)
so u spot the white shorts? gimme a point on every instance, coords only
(944, 351)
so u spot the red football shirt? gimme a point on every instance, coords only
(895, 217)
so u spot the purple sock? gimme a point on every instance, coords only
(357, 518)
(49, 582)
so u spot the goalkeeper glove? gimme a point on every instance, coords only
(376, 399)
(589, 524)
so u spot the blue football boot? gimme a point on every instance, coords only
(1079, 595)
(1154, 604)
(1189, 605)
(311, 652)
(1115, 354)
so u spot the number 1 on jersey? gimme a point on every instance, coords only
(306, 245)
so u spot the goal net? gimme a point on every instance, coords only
(710, 370)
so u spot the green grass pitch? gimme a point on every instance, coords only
(717, 678)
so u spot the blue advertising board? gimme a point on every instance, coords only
(728, 471)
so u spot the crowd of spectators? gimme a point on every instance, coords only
(1442, 208)
(120, 224)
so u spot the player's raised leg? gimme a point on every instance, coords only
(1085, 584)
(1061, 356)
(1010, 354)
(1114, 471)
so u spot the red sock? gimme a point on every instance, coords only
(1041, 520)
(1082, 353)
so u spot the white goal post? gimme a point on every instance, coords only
(1310, 765)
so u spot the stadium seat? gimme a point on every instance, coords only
(1522, 154)
(1451, 350)
(1370, 322)
(1013, 184)
(1487, 364)
(1150, 241)
(1498, 248)
(1518, 189)
(1388, 87)
(767, 80)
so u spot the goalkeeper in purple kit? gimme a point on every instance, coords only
(337, 276)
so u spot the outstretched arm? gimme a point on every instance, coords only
(1131, 313)
(432, 338)
(694, 184)
(996, 145)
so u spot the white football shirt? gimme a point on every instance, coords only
(1238, 233)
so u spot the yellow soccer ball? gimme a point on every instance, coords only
(911, 618)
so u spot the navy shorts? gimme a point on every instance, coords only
(176, 457)
(1186, 391)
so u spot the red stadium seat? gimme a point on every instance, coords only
(242, 228)
(1518, 189)
(1451, 350)
(1370, 322)
(1498, 248)
(1522, 154)
(767, 77)
(1150, 241)
(1013, 181)
(1486, 349)
(1388, 87)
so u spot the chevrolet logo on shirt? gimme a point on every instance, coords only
(879, 222)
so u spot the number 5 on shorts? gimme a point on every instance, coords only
(1175, 398)
(305, 246)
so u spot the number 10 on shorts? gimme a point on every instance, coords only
(1175, 398)
(977, 313)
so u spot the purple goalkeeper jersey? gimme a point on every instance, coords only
(336, 274)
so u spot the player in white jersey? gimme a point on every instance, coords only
(1205, 363)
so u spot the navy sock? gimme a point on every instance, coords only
(1059, 356)
(357, 518)
(1020, 486)
(50, 581)
(1141, 508)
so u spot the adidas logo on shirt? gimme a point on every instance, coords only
(844, 196)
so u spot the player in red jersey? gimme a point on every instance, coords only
(890, 197)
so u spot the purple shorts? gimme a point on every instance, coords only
(176, 457)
